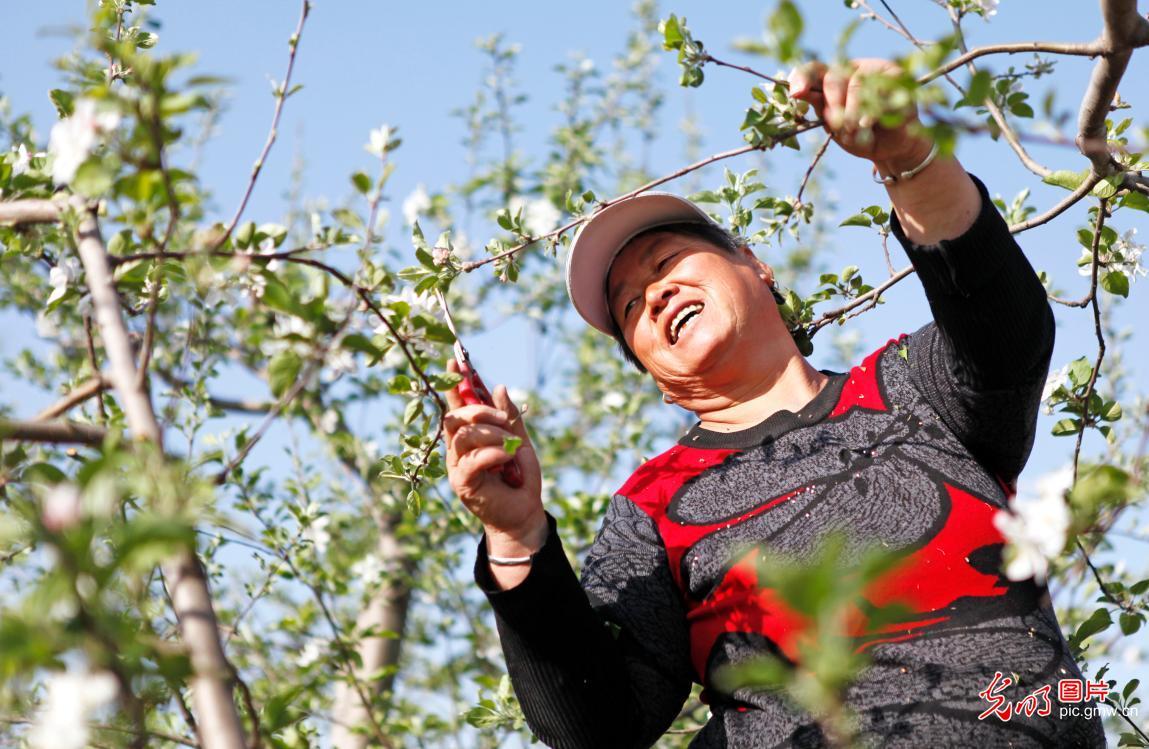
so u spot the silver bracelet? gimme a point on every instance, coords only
(895, 178)
(509, 561)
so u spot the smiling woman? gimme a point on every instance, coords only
(911, 452)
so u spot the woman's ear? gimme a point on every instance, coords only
(764, 271)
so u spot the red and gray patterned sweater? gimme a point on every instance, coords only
(912, 450)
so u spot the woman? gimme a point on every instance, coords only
(912, 450)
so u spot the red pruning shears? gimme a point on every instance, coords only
(473, 392)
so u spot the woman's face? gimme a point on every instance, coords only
(688, 310)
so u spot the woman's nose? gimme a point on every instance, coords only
(658, 295)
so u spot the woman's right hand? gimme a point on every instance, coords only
(514, 520)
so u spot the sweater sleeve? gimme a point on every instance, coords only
(982, 363)
(601, 663)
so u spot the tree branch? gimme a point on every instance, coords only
(1124, 29)
(1073, 198)
(75, 397)
(219, 726)
(273, 131)
(58, 432)
(29, 211)
(470, 266)
(386, 611)
(872, 296)
(1080, 49)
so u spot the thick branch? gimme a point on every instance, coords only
(385, 612)
(29, 212)
(218, 724)
(1124, 30)
(59, 432)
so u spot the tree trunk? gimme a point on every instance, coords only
(386, 611)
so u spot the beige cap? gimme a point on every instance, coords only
(600, 239)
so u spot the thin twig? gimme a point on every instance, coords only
(1094, 302)
(288, 396)
(1083, 189)
(810, 170)
(75, 397)
(872, 296)
(1101, 583)
(1080, 49)
(777, 82)
(805, 126)
(273, 131)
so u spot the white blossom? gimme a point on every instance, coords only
(61, 276)
(1123, 256)
(987, 8)
(416, 204)
(73, 138)
(367, 569)
(1036, 527)
(22, 161)
(378, 140)
(45, 326)
(339, 362)
(613, 400)
(539, 215)
(1055, 380)
(311, 652)
(329, 421)
(419, 304)
(317, 533)
(70, 702)
(62, 508)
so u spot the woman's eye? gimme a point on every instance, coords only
(629, 306)
(662, 263)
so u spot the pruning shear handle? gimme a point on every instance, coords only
(473, 392)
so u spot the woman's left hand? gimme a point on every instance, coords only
(835, 95)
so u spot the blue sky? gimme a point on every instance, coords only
(409, 64)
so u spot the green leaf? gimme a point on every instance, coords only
(1080, 370)
(511, 445)
(64, 101)
(413, 410)
(1129, 622)
(363, 345)
(1066, 427)
(979, 87)
(1136, 200)
(1107, 187)
(361, 182)
(671, 33)
(283, 371)
(245, 234)
(93, 178)
(446, 381)
(785, 23)
(1099, 621)
(1065, 178)
(858, 219)
(1115, 282)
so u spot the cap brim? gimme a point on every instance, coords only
(600, 239)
